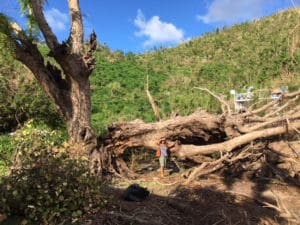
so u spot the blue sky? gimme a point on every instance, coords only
(141, 25)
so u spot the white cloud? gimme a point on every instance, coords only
(234, 11)
(157, 31)
(57, 20)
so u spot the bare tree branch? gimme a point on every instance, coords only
(227, 146)
(221, 100)
(48, 76)
(51, 39)
(262, 109)
(273, 103)
(76, 35)
(153, 105)
(269, 122)
(287, 104)
(291, 94)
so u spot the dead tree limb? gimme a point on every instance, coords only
(152, 102)
(199, 136)
(280, 109)
(220, 99)
(210, 167)
(227, 146)
(138, 133)
(273, 121)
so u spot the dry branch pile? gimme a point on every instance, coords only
(264, 139)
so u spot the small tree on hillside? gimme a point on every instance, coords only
(67, 81)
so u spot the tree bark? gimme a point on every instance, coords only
(76, 36)
(68, 86)
(79, 123)
(200, 127)
(190, 150)
(202, 133)
(152, 102)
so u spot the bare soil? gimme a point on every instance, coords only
(212, 200)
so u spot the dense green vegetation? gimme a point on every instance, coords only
(21, 98)
(262, 54)
(46, 186)
(118, 90)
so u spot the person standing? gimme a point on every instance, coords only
(163, 150)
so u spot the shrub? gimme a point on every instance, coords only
(6, 151)
(46, 186)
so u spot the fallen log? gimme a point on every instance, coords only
(201, 125)
(203, 133)
(227, 146)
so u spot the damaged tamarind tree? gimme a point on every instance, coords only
(264, 138)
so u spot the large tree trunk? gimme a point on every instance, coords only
(231, 137)
(67, 85)
(78, 122)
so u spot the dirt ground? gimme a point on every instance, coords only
(211, 200)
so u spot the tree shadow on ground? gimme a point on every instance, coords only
(199, 204)
(266, 178)
(187, 206)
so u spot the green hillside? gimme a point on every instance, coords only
(263, 54)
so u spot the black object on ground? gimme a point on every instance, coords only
(135, 193)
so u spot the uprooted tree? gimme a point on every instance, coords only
(260, 136)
